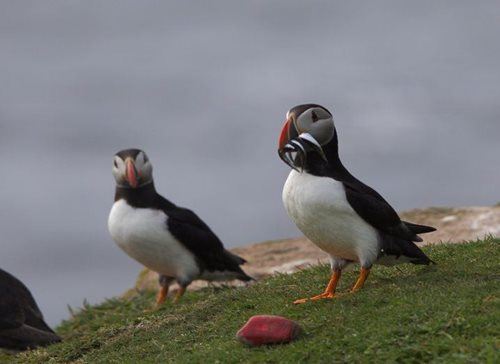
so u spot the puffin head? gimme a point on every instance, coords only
(308, 129)
(132, 169)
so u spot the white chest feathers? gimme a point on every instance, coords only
(319, 208)
(142, 233)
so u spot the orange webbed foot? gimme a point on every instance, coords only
(329, 292)
(322, 296)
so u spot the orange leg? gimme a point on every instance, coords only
(162, 295)
(179, 294)
(363, 275)
(329, 290)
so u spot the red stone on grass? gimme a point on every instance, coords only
(268, 329)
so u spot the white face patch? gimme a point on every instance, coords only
(140, 160)
(118, 163)
(318, 123)
(144, 167)
(119, 170)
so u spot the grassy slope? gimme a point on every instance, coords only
(444, 313)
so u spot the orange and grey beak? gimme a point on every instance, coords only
(284, 135)
(288, 151)
(131, 173)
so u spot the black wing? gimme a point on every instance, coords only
(17, 303)
(376, 211)
(197, 237)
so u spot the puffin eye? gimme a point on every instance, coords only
(116, 164)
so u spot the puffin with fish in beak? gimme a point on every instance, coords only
(340, 214)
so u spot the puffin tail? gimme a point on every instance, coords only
(245, 277)
(419, 229)
(241, 275)
(239, 260)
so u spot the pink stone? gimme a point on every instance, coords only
(268, 329)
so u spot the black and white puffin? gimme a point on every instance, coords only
(21, 323)
(168, 239)
(340, 214)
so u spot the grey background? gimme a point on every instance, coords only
(203, 87)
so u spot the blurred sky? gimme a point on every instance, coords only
(203, 87)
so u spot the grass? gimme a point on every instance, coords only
(447, 313)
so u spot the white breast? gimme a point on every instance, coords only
(319, 208)
(142, 233)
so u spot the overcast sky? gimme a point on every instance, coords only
(203, 88)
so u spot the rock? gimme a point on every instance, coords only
(268, 329)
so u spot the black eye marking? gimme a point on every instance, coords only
(314, 116)
(116, 164)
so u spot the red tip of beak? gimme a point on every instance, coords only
(131, 174)
(284, 134)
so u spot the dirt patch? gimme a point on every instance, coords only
(289, 255)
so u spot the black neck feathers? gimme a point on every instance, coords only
(334, 168)
(143, 197)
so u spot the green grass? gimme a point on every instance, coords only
(447, 313)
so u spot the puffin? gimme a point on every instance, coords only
(22, 325)
(344, 217)
(168, 239)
